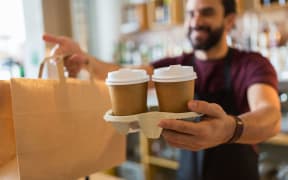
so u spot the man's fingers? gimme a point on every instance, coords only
(183, 141)
(75, 60)
(56, 50)
(52, 39)
(73, 64)
(181, 126)
(203, 107)
(78, 59)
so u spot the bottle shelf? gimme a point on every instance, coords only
(273, 7)
(260, 5)
(162, 162)
(283, 86)
(153, 14)
(281, 139)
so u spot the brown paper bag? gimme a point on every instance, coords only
(7, 138)
(9, 171)
(60, 131)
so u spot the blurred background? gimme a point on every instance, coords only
(134, 32)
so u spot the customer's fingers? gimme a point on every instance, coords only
(52, 39)
(56, 50)
(75, 60)
(203, 107)
(73, 64)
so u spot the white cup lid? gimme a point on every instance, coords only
(127, 76)
(174, 73)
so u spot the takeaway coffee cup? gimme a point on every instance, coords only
(128, 91)
(174, 87)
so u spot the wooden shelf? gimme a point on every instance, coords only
(273, 6)
(145, 13)
(162, 162)
(283, 86)
(281, 139)
(247, 5)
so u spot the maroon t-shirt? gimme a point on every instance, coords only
(247, 68)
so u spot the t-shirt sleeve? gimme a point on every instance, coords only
(260, 70)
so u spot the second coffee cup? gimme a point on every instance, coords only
(128, 91)
(174, 87)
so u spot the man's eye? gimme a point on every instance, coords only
(207, 12)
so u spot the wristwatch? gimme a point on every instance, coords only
(238, 131)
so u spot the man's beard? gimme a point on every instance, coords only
(212, 39)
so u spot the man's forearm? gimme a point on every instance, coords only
(101, 68)
(260, 124)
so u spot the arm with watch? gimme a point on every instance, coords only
(262, 122)
(218, 127)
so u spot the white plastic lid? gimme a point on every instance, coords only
(174, 73)
(126, 77)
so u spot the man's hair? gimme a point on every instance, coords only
(229, 7)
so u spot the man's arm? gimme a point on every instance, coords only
(76, 58)
(217, 127)
(100, 68)
(263, 121)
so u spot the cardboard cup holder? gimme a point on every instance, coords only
(146, 122)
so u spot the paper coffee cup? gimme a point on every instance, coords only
(174, 87)
(128, 91)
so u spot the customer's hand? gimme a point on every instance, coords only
(75, 57)
(215, 128)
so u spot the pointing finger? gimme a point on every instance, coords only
(210, 109)
(52, 39)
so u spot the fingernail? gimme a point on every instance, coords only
(161, 124)
(192, 104)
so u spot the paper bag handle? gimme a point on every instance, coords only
(60, 67)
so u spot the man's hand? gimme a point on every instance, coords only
(75, 57)
(215, 128)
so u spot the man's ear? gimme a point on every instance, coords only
(230, 21)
